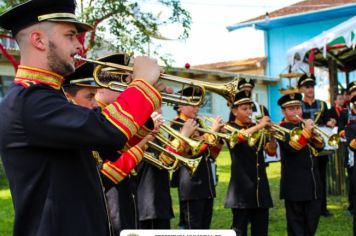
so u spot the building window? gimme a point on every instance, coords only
(9, 43)
(5, 82)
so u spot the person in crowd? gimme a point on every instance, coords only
(248, 194)
(154, 201)
(197, 192)
(258, 110)
(350, 133)
(317, 111)
(45, 141)
(300, 181)
(348, 116)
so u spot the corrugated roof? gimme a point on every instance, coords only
(256, 62)
(302, 7)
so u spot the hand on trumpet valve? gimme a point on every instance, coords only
(157, 120)
(148, 69)
(264, 121)
(309, 125)
(189, 128)
(143, 143)
(217, 124)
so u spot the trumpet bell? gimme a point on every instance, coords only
(295, 134)
(333, 140)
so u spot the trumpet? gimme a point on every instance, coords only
(233, 133)
(194, 145)
(279, 132)
(216, 135)
(191, 164)
(333, 139)
(227, 90)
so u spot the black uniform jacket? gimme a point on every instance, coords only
(350, 132)
(300, 180)
(45, 145)
(198, 186)
(311, 111)
(122, 205)
(153, 192)
(248, 186)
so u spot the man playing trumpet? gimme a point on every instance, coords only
(300, 180)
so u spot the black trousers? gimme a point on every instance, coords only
(257, 217)
(155, 224)
(354, 216)
(197, 214)
(323, 163)
(350, 188)
(302, 217)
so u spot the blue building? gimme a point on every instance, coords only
(293, 25)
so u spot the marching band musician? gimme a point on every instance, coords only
(248, 194)
(45, 141)
(197, 192)
(154, 201)
(300, 181)
(350, 132)
(80, 88)
(348, 116)
(316, 110)
(246, 84)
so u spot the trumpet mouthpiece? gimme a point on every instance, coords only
(77, 57)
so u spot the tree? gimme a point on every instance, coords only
(124, 26)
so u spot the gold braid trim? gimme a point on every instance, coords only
(148, 91)
(116, 175)
(39, 76)
(117, 116)
(137, 153)
(295, 145)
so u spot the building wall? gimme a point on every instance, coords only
(277, 42)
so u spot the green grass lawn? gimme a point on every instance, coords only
(339, 224)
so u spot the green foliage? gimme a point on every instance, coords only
(125, 26)
(339, 224)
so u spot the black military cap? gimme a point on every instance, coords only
(291, 99)
(306, 80)
(245, 82)
(351, 87)
(188, 91)
(83, 75)
(36, 11)
(242, 97)
(353, 100)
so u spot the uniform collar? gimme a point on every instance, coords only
(27, 76)
(183, 117)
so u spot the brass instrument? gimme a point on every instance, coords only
(232, 136)
(191, 164)
(216, 135)
(279, 132)
(194, 145)
(227, 90)
(333, 139)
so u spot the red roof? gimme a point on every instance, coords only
(303, 6)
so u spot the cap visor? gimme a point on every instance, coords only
(81, 27)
